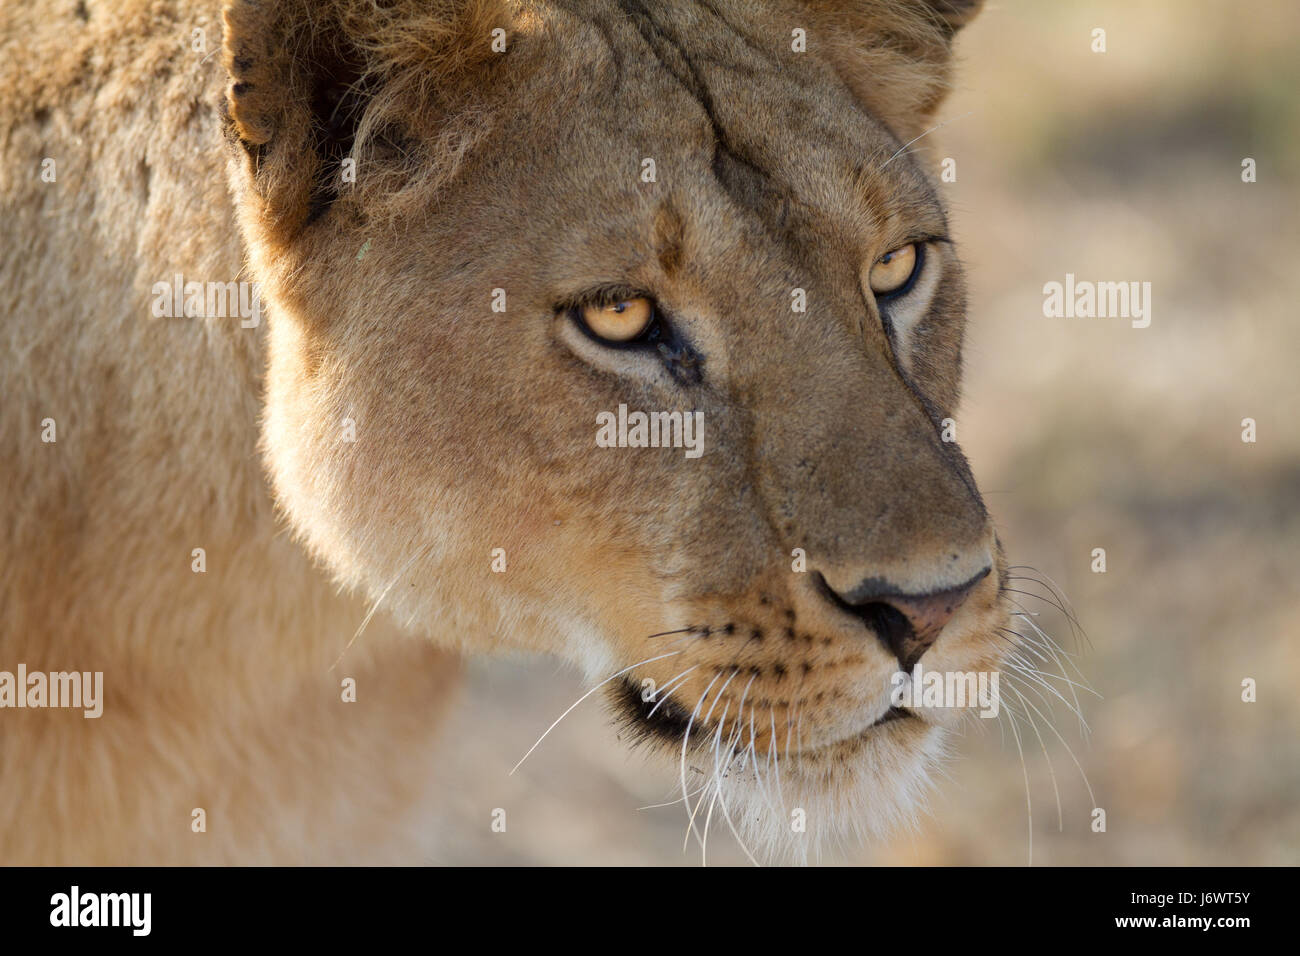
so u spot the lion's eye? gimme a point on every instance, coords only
(620, 321)
(892, 272)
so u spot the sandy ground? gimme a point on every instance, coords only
(1084, 433)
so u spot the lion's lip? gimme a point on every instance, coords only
(855, 740)
(894, 713)
(845, 746)
(669, 721)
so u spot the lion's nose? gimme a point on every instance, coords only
(907, 624)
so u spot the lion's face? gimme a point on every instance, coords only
(663, 209)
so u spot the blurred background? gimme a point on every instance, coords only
(1084, 433)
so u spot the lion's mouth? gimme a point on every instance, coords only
(894, 713)
(667, 721)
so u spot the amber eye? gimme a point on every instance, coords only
(620, 321)
(892, 271)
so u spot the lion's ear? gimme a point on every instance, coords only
(894, 55)
(292, 104)
(313, 83)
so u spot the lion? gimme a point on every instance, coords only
(463, 234)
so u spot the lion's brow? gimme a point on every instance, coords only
(669, 238)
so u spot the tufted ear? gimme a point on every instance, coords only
(313, 83)
(894, 55)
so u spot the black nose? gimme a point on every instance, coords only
(907, 624)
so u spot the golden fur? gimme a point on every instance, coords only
(475, 171)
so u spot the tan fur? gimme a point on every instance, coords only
(475, 171)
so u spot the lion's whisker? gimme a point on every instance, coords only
(664, 692)
(1056, 591)
(672, 803)
(690, 823)
(708, 818)
(1027, 666)
(1051, 771)
(593, 690)
(1037, 676)
(1053, 649)
(937, 126)
(721, 800)
(365, 622)
(721, 690)
(680, 630)
(775, 753)
(1024, 769)
(1069, 751)
(1050, 602)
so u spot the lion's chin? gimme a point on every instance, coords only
(788, 808)
(854, 793)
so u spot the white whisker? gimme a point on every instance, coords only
(932, 129)
(611, 677)
(365, 622)
(690, 823)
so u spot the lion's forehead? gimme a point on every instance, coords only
(718, 98)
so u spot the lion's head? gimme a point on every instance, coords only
(489, 233)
